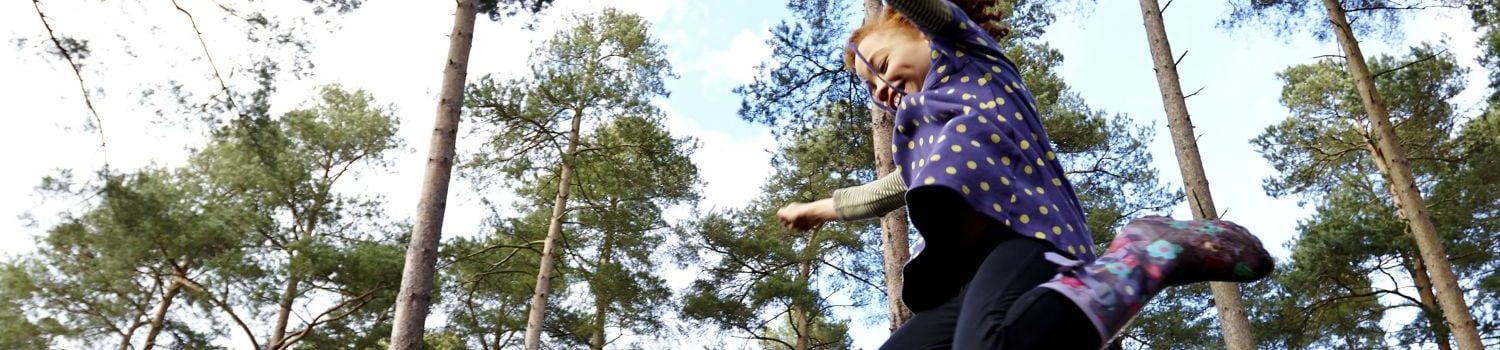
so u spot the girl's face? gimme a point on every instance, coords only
(898, 62)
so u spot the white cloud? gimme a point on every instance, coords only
(732, 168)
(736, 63)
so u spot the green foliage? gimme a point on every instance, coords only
(810, 71)
(487, 282)
(1486, 15)
(251, 212)
(18, 329)
(628, 169)
(313, 240)
(1354, 259)
(1178, 318)
(753, 267)
(1287, 18)
(824, 335)
(97, 275)
(1328, 122)
(500, 9)
(604, 66)
(1471, 204)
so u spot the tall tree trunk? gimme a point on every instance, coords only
(415, 297)
(601, 303)
(288, 295)
(160, 317)
(1413, 263)
(1413, 207)
(554, 232)
(1227, 299)
(801, 321)
(1429, 301)
(893, 233)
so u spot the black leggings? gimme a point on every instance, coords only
(1000, 307)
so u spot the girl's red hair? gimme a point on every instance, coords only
(889, 19)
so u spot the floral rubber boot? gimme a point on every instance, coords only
(1153, 253)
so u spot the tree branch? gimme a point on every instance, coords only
(228, 96)
(68, 55)
(1408, 64)
(851, 275)
(363, 300)
(1195, 93)
(194, 285)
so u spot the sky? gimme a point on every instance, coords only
(394, 49)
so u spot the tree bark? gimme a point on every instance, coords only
(1227, 299)
(130, 334)
(801, 322)
(1409, 197)
(554, 232)
(1414, 264)
(601, 303)
(1429, 301)
(288, 295)
(415, 296)
(160, 317)
(893, 227)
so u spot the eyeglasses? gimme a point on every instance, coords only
(871, 68)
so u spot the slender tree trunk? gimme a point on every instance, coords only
(1429, 301)
(288, 295)
(1227, 299)
(415, 297)
(1413, 263)
(1413, 207)
(893, 233)
(601, 303)
(554, 233)
(802, 323)
(160, 317)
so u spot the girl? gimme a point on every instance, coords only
(997, 218)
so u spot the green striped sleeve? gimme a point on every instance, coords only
(932, 16)
(870, 200)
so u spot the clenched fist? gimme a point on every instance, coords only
(806, 216)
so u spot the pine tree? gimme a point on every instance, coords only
(603, 68)
(421, 252)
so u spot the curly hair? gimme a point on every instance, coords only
(983, 12)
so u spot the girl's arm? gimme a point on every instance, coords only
(861, 202)
(870, 200)
(932, 16)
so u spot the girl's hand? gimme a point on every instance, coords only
(806, 216)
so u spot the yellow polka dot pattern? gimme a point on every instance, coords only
(973, 86)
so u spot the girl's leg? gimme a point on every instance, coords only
(998, 312)
(927, 329)
(1044, 319)
(1148, 255)
(935, 283)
